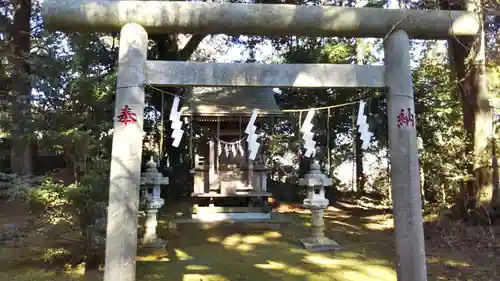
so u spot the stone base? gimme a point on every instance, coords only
(320, 244)
(273, 221)
(217, 217)
(155, 244)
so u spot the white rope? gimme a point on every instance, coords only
(234, 142)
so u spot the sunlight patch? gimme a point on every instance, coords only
(449, 262)
(297, 271)
(346, 225)
(197, 267)
(351, 255)
(336, 216)
(255, 239)
(181, 255)
(350, 275)
(52, 253)
(381, 217)
(232, 240)
(333, 209)
(381, 273)
(77, 270)
(272, 234)
(245, 247)
(379, 225)
(299, 251)
(455, 263)
(272, 265)
(152, 257)
(198, 277)
(323, 261)
(213, 239)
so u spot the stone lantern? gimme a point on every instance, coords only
(315, 181)
(151, 182)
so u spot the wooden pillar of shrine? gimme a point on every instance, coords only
(211, 160)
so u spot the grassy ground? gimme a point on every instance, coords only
(237, 254)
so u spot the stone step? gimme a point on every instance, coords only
(235, 194)
(197, 209)
(217, 217)
(273, 221)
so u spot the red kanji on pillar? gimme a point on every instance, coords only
(406, 119)
(127, 116)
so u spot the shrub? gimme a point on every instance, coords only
(70, 220)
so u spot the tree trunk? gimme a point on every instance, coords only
(467, 58)
(94, 254)
(495, 198)
(422, 184)
(21, 156)
(167, 48)
(360, 177)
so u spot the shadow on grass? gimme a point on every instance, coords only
(365, 234)
(226, 253)
(238, 252)
(235, 252)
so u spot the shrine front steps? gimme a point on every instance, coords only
(232, 194)
(276, 221)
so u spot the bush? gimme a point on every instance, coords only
(71, 219)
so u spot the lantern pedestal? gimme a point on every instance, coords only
(150, 239)
(315, 181)
(318, 241)
(152, 180)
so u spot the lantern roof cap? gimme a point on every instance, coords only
(315, 177)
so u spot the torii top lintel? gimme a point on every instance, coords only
(163, 17)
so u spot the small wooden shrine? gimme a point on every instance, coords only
(227, 184)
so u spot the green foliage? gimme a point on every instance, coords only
(443, 155)
(75, 212)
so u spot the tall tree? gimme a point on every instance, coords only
(168, 47)
(20, 89)
(360, 176)
(467, 58)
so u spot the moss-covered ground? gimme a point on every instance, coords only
(239, 253)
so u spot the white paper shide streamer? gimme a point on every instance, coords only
(366, 135)
(307, 135)
(233, 149)
(175, 118)
(240, 149)
(230, 148)
(253, 145)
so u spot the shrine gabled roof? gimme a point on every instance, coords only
(229, 101)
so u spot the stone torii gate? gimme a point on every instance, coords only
(136, 18)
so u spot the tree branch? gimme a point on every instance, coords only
(191, 46)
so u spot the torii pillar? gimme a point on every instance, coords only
(133, 18)
(126, 155)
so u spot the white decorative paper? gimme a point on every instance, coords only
(253, 145)
(233, 150)
(307, 135)
(366, 135)
(240, 149)
(175, 117)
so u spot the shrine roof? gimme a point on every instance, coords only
(229, 101)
